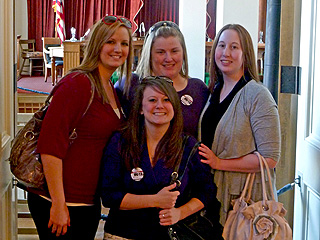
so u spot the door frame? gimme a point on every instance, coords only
(8, 226)
(307, 194)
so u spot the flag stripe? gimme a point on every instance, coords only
(54, 5)
(60, 24)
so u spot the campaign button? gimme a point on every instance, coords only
(137, 174)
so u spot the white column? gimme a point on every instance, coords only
(241, 12)
(21, 19)
(192, 22)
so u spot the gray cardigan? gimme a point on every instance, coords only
(251, 123)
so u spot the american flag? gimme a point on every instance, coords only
(58, 6)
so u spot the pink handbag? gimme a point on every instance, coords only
(257, 220)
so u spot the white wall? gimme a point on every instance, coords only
(244, 12)
(192, 22)
(21, 18)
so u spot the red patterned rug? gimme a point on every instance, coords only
(34, 84)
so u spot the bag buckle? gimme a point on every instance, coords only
(29, 135)
(173, 234)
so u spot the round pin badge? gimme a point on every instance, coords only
(186, 100)
(137, 174)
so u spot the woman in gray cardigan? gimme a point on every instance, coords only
(239, 118)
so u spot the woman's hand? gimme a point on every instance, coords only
(167, 198)
(59, 214)
(169, 216)
(210, 158)
(59, 219)
(246, 163)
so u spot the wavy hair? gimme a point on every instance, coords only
(99, 34)
(169, 147)
(249, 59)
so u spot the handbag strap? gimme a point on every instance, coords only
(264, 165)
(174, 174)
(184, 142)
(250, 187)
(247, 190)
(175, 177)
(191, 154)
(48, 100)
(73, 135)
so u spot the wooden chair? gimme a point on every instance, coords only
(27, 53)
(51, 42)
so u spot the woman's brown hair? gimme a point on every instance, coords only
(170, 146)
(249, 59)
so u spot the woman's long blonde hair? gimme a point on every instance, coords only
(99, 34)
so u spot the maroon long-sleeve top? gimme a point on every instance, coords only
(81, 158)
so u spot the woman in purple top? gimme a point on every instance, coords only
(164, 54)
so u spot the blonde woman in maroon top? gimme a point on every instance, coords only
(72, 211)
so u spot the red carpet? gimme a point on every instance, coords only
(34, 84)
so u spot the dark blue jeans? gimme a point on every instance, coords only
(84, 220)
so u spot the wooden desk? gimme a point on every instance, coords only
(71, 52)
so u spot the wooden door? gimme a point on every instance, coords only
(7, 43)
(307, 196)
